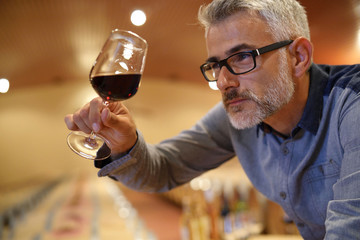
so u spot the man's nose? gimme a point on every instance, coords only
(226, 79)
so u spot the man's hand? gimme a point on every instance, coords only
(112, 122)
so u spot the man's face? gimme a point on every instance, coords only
(252, 97)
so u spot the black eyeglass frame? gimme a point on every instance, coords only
(254, 53)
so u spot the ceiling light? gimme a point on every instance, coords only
(4, 85)
(138, 18)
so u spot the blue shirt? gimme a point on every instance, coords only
(314, 174)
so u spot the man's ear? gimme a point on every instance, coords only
(301, 54)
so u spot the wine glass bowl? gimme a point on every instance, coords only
(117, 71)
(115, 76)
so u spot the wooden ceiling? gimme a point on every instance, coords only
(44, 41)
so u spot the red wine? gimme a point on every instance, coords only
(116, 87)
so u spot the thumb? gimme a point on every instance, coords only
(108, 118)
(121, 130)
(114, 121)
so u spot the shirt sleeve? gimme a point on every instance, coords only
(343, 214)
(175, 161)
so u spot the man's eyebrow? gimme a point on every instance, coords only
(212, 59)
(238, 48)
(232, 50)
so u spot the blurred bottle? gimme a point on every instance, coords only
(195, 223)
(240, 211)
(185, 229)
(226, 217)
(212, 201)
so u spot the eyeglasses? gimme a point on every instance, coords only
(238, 63)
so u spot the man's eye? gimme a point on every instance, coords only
(215, 65)
(240, 57)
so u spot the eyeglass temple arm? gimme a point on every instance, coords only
(272, 47)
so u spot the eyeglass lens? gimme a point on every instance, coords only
(237, 64)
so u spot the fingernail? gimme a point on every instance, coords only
(96, 127)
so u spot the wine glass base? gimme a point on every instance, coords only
(93, 148)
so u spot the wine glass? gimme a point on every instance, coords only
(115, 76)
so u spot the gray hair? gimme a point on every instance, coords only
(286, 19)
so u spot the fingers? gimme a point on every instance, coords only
(105, 116)
(116, 116)
(122, 135)
(114, 123)
(96, 106)
(87, 118)
(70, 123)
(81, 119)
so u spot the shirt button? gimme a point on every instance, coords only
(283, 195)
(285, 150)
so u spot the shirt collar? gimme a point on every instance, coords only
(312, 114)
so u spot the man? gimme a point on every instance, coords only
(291, 123)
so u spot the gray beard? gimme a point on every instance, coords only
(257, 109)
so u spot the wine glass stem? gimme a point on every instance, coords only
(91, 140)
(92, 135)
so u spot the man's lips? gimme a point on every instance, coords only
(236, 101)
